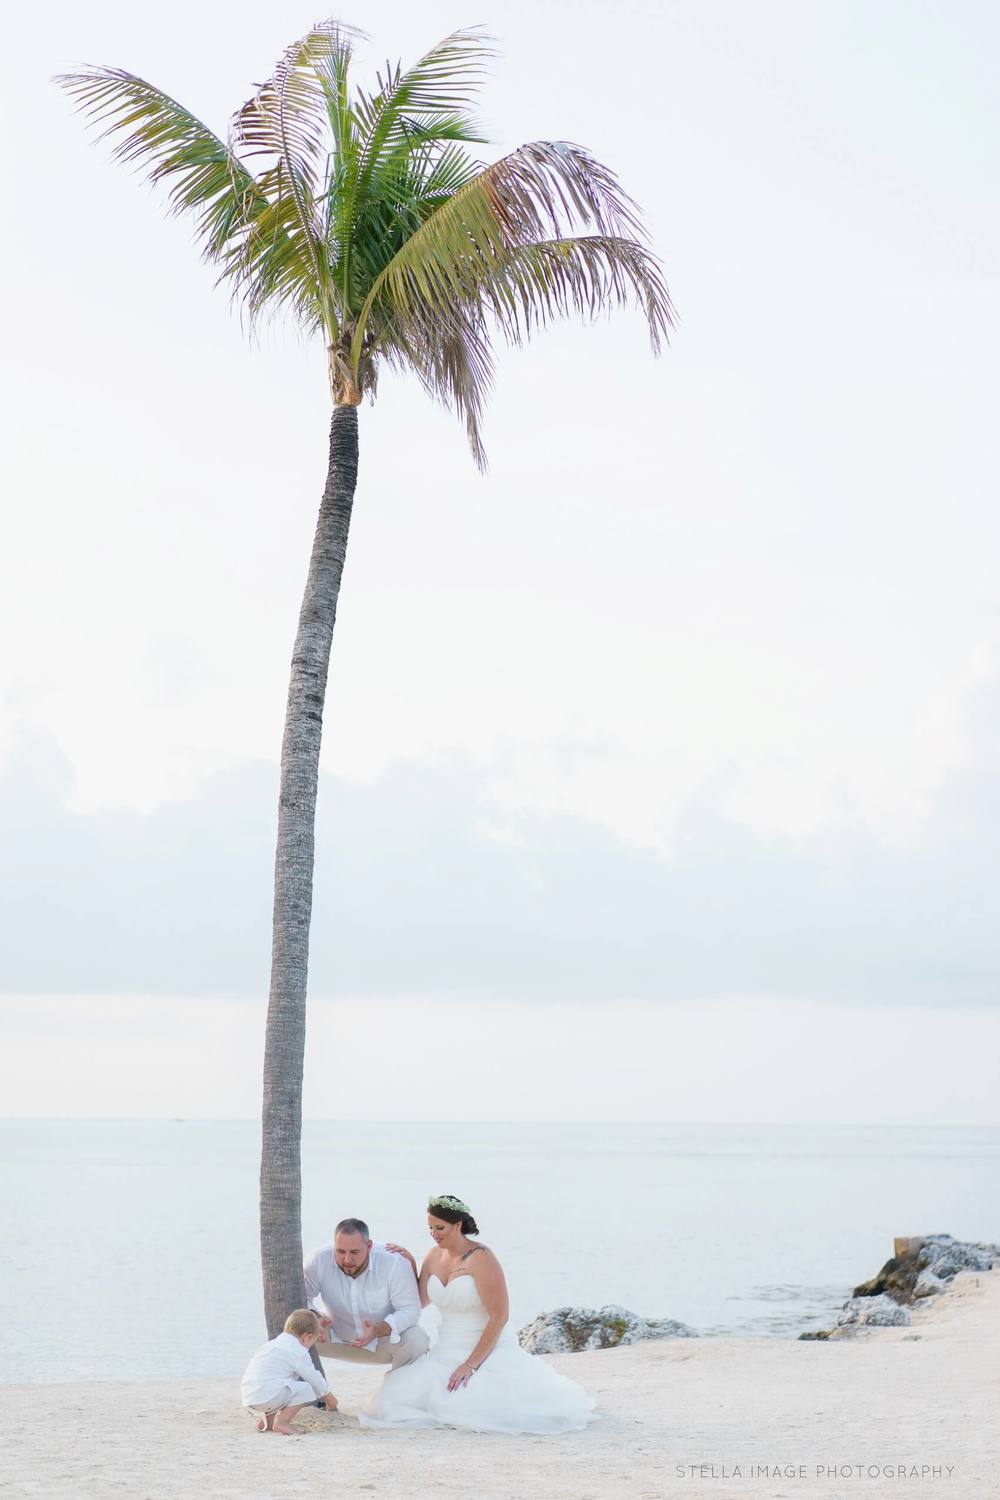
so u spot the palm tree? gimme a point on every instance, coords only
(365, 217)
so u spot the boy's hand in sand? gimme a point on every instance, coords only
(330, 1401)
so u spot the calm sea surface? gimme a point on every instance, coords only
(128, 1249)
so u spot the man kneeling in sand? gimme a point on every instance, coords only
(367, 1299)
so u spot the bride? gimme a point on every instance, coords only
(476, 1376)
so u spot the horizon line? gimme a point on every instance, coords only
(347, 1120)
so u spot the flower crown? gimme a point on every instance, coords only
(445, 1200)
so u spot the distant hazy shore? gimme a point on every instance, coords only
(890, 1411)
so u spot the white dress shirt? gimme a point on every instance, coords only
(275, 1365)
(385, 1292)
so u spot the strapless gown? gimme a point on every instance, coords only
(511, 1391)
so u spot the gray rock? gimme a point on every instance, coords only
(568, 1330)
(930, 1263)
(928, 1285)
(875, 1312)
(944, 1257)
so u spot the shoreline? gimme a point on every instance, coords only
(723, 1416)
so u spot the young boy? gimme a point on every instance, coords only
(281, 1378)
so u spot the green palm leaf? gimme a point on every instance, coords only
(500, 242)
(588, 274)
(430, 100)
(205, 177)
(287, 121)
(396, 137)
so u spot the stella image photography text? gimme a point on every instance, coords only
(814, 1471)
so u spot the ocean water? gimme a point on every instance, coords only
(128, 1249)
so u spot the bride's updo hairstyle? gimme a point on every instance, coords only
(453, 1211)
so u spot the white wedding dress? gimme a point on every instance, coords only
(510, 1392)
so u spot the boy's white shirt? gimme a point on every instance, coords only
(274, 1365)
(385, 1292)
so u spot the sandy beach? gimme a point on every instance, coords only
(892, 1411)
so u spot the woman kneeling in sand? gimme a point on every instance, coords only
(476, 1376)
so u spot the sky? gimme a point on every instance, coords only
(678, 731)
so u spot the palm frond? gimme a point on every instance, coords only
(332, 64)
(173, 146)
(272, 266)
(285, 121)
(550, 186)
(402, 194)
(445, 340)
(502, 237)
(450, 170)
(588, 274)
(412, 114)
(434, 95)
(454, 364)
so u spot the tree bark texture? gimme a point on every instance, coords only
(284, 1048)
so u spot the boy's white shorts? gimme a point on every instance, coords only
(296, 1393)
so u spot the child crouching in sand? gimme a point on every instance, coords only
(281, 1378)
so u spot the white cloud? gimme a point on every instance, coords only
(413, 893)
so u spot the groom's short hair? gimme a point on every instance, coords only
(352, 1226)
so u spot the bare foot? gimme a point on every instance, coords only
(261, 1424)
(284, 1429)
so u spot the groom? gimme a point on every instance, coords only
(367, 1300)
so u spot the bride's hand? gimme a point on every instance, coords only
(460, 1377)
(402, 1250)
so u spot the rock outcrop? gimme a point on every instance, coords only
(567, 1330)
(928, 1267)
(925, 1268)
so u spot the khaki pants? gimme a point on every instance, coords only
(295, 1393)
(412, 1344)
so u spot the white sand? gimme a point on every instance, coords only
(921, 1397)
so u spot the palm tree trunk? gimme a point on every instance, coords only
(284, 1049)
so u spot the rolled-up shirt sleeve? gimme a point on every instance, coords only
(404, 1298)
